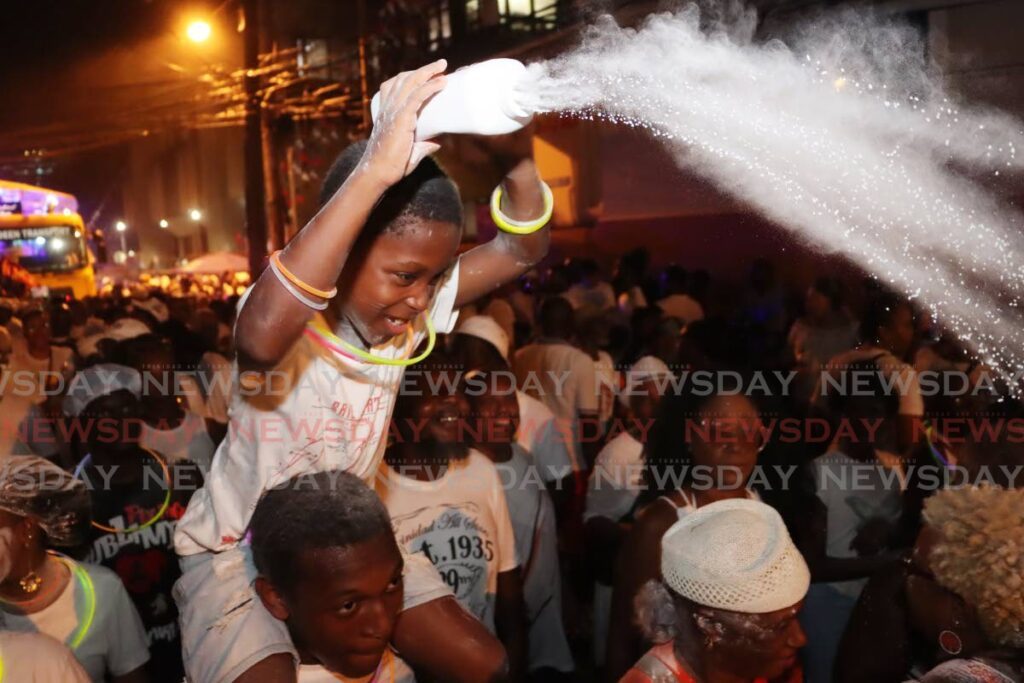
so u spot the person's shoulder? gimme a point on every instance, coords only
(47, 655)
(104, 580)
(534, 405)
(479, 465)
(624, 445)
(653, 521)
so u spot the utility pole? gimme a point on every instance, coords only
(255, 198)
(364, 90)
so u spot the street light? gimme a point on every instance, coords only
(121, 226)
(196, 215)
(199, 31)
(164, 224)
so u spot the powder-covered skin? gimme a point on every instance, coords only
(844, 135)
(6, 553)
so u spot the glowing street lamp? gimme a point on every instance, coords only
(121, 226)
(196, 215)
(164, 224)
(199, 31)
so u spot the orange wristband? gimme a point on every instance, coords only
(309, 289)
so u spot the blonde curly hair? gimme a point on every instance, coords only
(980, 555)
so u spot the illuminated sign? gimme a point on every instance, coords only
(33, 233)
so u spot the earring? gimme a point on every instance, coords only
(950, 643)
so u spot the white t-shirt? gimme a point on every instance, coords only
(314, 673)
(564, 379)
(115, 643)
(854, 492)
(533, 521)
(899, 375)
(682, 306)
(316, 411)
(208, 394)
(560, 375)
(616, 480)
(540, 434)
(37, 658)
(607, 385)
(188, 441)
(461, 523)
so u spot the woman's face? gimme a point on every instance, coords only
(728, 439)
(37, 331)
(939, 616)
(816, 303)
(753, 645)
(12, 542)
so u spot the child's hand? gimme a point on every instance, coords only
(392, 151)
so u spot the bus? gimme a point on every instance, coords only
(42, 232)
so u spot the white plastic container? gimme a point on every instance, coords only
(489, 98)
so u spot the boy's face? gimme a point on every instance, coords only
(497, 412)
(342, 611)
(442, 417)
(393, 280)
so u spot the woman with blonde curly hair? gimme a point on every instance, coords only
(959, 595)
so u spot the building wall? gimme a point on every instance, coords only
(171, 174)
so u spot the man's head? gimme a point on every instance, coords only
(556, 318)
(409, 241)
(431, 411)
(495, 409)
(37, 328)
(329, 567)
(823, 297)
(645, 383)
(105, 397)
(889, 323)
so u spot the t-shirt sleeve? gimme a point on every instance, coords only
(442, 309)
(550, 450)
(508, 559)
(126, 635)
(614, 483)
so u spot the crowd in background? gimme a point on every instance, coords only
(578, 361)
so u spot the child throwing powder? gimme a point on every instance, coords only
(323, 338)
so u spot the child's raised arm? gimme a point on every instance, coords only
(272, 319)
(507, 256)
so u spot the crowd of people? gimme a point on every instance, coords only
(487, 467)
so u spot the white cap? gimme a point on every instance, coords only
(99, 380)
(734, 555)
(155, 307)
(648, 367)
(126, 328)
(485, 327)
